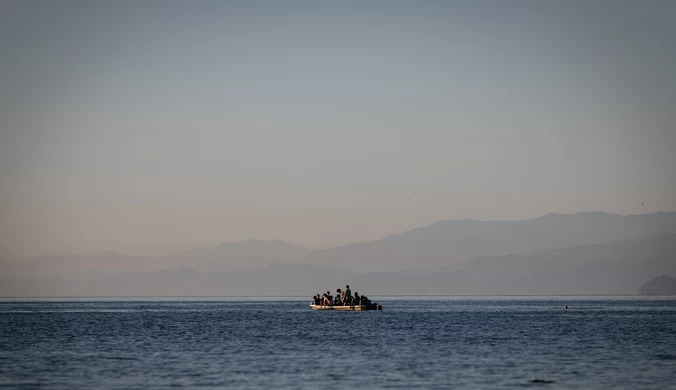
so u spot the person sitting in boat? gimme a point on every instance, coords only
(339, 298)
(329, 299)
(356, 301)
(317, 300)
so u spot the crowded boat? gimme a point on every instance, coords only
(343, 300)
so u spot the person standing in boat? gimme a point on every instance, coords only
(347, 295)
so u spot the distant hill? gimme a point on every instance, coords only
(584, 253)
(442, 244)
(660, 285)
(616, 268)
(453, 242)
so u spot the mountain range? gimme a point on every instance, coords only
(584, 253)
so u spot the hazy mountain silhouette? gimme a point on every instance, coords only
(659, 285)
(452, 242)
(617, 268)
(585, 253)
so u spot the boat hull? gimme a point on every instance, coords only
(343, 308)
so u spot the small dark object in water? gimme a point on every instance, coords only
(380, 307)
(541, 381)
(565, 306)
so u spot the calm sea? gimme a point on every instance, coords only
(464, 343)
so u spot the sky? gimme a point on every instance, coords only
(157, 126)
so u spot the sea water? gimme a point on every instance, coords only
(438, 342)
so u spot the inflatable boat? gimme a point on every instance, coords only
(346, 308)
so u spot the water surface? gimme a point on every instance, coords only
(415, 342)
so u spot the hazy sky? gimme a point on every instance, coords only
(146, 127)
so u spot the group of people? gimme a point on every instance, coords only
(342, 298)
